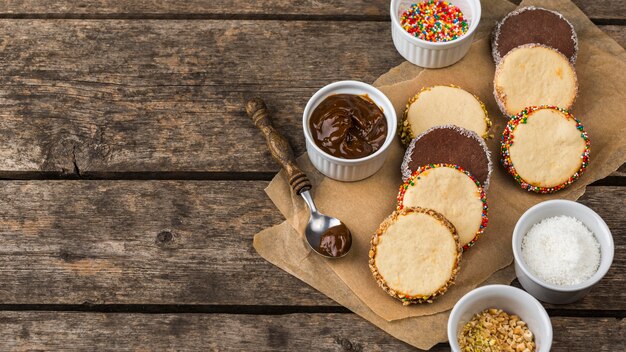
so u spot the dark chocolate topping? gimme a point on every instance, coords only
(336, 241)
(449, 145)
(535, 25)
(348, 126)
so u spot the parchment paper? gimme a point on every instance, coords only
(277, 244)
(362, 205)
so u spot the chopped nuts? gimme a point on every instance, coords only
(494, 330)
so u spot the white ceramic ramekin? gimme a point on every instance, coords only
(511, 300)
(433, 54)
(349, 169)
(540, 289)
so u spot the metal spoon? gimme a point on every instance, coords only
(281, 151)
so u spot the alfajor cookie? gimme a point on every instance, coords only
(415, 254)
(531, 24)
(443, 105)
(545, 148)
(449, 144)
(451, 191)
(534, 75)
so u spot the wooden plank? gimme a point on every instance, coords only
(222, 332)
(145, 96)
(600, 10)
(379, 9)
(136, 8)
(618, 33)
(603, 10)
(109, 97)
(138, 242)
(178, 242)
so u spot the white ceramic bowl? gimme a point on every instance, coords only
(552, 293)
(433, 54)
(511, 300)
(349, 169)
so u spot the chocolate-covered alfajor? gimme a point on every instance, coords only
(529, 25)
(449, 144)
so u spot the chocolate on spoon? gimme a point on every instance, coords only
(326, 235)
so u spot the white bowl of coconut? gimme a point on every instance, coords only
(562, 249)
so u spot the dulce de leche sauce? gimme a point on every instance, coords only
(348, 126)
(336, 241)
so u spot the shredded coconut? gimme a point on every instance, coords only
(561, 250)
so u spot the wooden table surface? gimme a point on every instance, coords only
(132, 181)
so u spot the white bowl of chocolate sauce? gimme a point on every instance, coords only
(348, 127)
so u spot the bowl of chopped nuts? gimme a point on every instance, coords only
(499, 318)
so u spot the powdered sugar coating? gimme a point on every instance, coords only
(496, 32)
(406, 171)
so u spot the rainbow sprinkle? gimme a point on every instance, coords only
(434, 21)
(507, 142)
(416, 176)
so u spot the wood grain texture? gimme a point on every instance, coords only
(105, 97)
(111, 97)
(137, 8)
(179, 242)
(139, 242)
(378, 9)
(149, 96)
(221, 332)
(618, 33)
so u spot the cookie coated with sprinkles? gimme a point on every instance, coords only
(508, 140)
(483, 198)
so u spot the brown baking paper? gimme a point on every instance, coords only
(278, 244)
(363, 205)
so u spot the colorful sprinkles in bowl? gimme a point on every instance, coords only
(434, 21)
